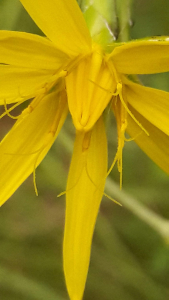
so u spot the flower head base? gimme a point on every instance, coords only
(67, 71)
(91, 79)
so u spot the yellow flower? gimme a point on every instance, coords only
(67, 71)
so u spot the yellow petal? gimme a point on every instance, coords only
(29, 140)
(156, 145)
(29, 50)
(62, 22)
(141, 57)
(19, 83)
(151, 103)
(82, 204)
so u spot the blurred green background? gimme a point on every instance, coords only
(130, 260)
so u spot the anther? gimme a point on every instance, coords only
(86, 141)
(63, 73)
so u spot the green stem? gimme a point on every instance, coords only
(157, 222)
(101, 20)
(123, 8)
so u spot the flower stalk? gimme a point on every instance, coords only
(101, 19)
(123, 10)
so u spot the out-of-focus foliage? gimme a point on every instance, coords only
(129, 260)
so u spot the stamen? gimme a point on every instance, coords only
(25, 98)
(62, 193)
(7, 111)
(85, 146)
(40, 92)
(86, 141)
(113, 164)
(34, 176)
(120, 166)
(71, 188)
(72, 65)
(128, 139)
(27, 110)
(63, 73)
(119, 92)
(132, 139)
(110, 198)
(97, 187)
(47, 140)
(74, 185)
(99, 86)
(121, 116)
(34, 103)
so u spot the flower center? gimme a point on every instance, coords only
(89, 89)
